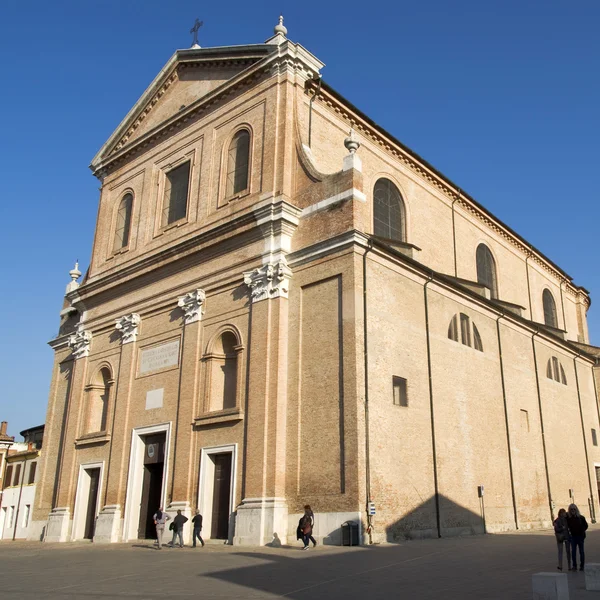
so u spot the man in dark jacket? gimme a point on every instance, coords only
(197, 523)
(178, 523)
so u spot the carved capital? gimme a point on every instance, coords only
(269, 281)
(80, 342)
(192, 305)
(127, 326)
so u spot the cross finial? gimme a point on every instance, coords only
(194, 31)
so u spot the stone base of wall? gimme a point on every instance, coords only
(260, 521)
(108, 525)
(328, 527)
(36, 531)
(59, 525)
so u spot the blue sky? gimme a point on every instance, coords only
(501, 96)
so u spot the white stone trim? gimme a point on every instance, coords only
(127, 326)
(192, 305)
(206, 482)
(333, 200)
(269, 281)
(80, 342)
(134, 480)
(81, 497)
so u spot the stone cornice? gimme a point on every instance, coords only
(271, 216)
(376, 134)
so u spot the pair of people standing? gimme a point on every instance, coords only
(305, 527)
(569, 529)
(161, 518)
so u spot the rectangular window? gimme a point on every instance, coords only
(8, 476)
(465, 329)
(177, 182)
(26, 515)
(400, 391)
(524, 420)
(11, 514)
(17, 477)
(32, 468)
(594, 437)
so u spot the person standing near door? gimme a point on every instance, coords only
(178, 522)
(160, 518)
(197, 523)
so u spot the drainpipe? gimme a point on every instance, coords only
(587, 460)
(435, 475)
(310, 109)
(528, 286)
(366, 357)
(19, 501)
(537, 381)
(458, 192)
(510, 465)
(562, 304)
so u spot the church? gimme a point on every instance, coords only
(285, 305)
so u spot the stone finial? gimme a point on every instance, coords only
(351, 142)
(269, 281)
(192, 305)
(80, 342)
(75, 274)
(127, 326)
(280, 27)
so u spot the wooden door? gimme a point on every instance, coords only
(221, 497)
(90, 519)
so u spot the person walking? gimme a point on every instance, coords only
(563, 539)
(197, 523)
(178, 522)
(577, 528)
(160, 518)
(305, 527)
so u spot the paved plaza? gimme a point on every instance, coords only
(484, 567)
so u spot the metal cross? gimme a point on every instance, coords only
(194, 30)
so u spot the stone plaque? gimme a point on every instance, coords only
(154, 399)
(159, 357)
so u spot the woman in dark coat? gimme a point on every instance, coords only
(305, 527)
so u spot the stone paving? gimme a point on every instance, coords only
(483, 567)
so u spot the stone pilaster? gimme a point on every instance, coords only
(193, 306)
(263, 510)
(109, 526)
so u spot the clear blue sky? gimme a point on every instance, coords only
(501, 96)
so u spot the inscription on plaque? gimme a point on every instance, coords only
(159, 357)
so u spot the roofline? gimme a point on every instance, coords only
(178, 55)
(36, 428)
(337, 96)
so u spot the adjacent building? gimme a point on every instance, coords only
(286, 305)
(20, 478)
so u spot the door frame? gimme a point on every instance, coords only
(82, 498)
(135, 474)
(206, 484)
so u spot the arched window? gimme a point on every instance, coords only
(223, 372)
(555, 371)
(177, 186)
(461, 327)
(388, 211)
(98, 393)
(238, 162)
(486, 269)
(123, 223)
(549, 309)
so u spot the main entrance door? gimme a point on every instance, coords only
(90, 515)
(154, 457)
(221, 496)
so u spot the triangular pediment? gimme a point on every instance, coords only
(189, 76)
